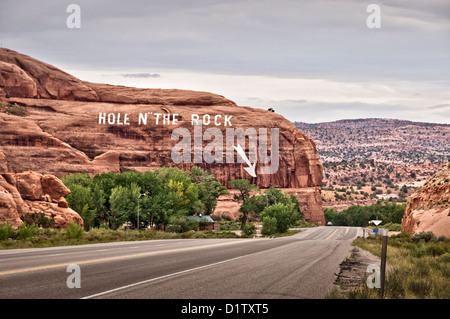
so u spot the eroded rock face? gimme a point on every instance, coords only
(30, 192)
(429, 208)
(62, 134)
(15, 82)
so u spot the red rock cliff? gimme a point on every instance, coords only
(61, 133)
(429, 208)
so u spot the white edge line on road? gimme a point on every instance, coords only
(166, 276)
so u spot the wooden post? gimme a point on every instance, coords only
(383, 263)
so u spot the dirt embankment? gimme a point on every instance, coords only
(353, 270)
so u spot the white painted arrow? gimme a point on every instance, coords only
(251, 168)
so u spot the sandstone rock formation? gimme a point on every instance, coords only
(29, 192)
(61, 133)
(429, 208)
(307, 196)
(15, 82)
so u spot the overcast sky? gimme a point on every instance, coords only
(312, 61)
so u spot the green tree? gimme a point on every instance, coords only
(245, 188)
(73, 231)
(285, 215)
(253, 206)
(80, 200)
(269, 226)
(6, 231)
(330, 215)
(123, 203)
(274, 196)
(209, 189)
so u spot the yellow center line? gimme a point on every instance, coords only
(16, 271)
(332, 234)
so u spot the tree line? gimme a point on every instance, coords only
(167, 195)
(361, 215)
(110, 199)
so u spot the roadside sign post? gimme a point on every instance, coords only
(384, 234)
(376, 223)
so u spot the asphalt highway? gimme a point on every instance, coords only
(299, 266)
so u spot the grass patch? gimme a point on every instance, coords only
(32, 236)
(304, 224)
(420, 268)
(13, 109)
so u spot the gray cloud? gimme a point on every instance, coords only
(288, 38)
(141, 75)
(439, 106)
(284, 39)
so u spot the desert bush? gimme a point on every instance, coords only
(74, 231)
(187, 234)
(6, 231)
(423, 236)
(229, 225)
(445, 257)
(39, 219)
(26, 231)
(393, 227)
(181, 224)
(13, 109)
(248, 229)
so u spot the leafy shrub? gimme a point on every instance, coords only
(229, 225)
(401, 236)
(187, 234)
(39, 219)
(284, 214)
(435, 249)
(6, 231)
(269, 226)
(26, 231)
(74, 231)
(393, 227)
(445, 257)
(181, 224)
(417, 252)
(423, 236)
(13, 109)
(248, 229)
(304, 224)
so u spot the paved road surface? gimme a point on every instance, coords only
(299, 266)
